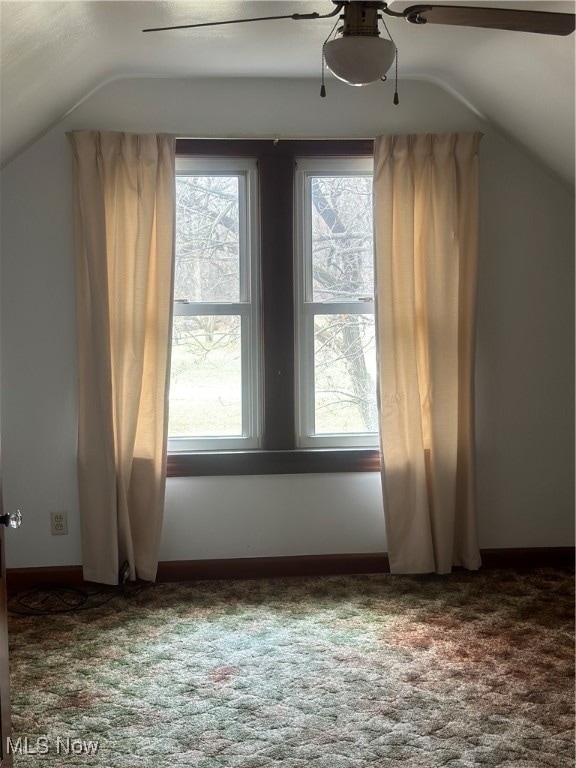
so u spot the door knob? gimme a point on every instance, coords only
(11, 519)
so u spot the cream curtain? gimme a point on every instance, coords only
(124, 241)
(426, 244)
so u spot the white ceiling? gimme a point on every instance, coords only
(53, 54)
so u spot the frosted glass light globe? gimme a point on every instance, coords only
(359, 59)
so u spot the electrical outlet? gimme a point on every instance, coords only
(59, 522)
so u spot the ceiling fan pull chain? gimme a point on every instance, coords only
(323, 86)
(396, 99)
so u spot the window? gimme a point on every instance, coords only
(273, 359)
(214, 388)
(336, 350)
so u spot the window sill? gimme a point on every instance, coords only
(287, 462)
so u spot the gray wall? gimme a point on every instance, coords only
(525, 360)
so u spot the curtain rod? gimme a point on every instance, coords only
(276, 137)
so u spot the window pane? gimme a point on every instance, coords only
(342, 250)
(207, 238)
(206, 378)
(345, 374)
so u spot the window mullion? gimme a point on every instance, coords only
(276, 216)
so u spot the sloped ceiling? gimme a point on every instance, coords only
(53, 54)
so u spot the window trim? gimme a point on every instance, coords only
(278, 453)
(288, 462)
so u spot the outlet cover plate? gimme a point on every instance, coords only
(59, 523)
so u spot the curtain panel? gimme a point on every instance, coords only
(426, 251)
(124, 244)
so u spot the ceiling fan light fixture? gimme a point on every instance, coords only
(358, 59)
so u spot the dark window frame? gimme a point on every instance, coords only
(278, 454)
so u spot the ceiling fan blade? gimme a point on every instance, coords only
(217, 23)
(295, 16)
(541, 22)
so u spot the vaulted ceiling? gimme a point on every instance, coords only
(53, 54)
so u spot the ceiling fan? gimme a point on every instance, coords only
(359, 56)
